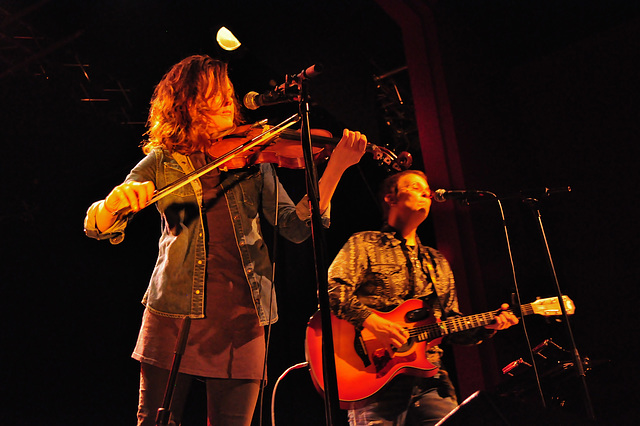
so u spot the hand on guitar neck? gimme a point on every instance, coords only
(393, 335)
(504, 319)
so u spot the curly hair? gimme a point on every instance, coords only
(188, 95)
(390, 186)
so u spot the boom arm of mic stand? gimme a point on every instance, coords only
(331, 400)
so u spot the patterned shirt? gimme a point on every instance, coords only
(378, 270)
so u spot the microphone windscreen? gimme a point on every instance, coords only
(249, 100)
(439, 195)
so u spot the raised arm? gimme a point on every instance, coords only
(348, 152)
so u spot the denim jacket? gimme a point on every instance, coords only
(177, 284)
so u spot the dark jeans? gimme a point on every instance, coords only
(230, 402)
(407, 401)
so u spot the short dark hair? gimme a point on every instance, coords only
(390, 186)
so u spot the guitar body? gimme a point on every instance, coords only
(363, 366)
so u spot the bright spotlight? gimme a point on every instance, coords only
(226, 39)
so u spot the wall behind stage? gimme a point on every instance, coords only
(554, 103)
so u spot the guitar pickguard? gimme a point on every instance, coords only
(384, 362)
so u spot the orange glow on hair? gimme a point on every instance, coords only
(184, 101)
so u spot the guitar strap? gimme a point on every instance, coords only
(412, 258)
(429, 298)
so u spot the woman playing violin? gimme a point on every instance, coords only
(213, 265)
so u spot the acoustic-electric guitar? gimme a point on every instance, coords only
(364, 366)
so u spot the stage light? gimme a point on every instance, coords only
(227, 40)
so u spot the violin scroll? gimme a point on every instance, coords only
(387, 157)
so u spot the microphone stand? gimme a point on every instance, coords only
(529, 197)
(331, 401)
(519, 301)
(163, 414)
(466, 198)
(533, 203)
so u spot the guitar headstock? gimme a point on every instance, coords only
(550, 307)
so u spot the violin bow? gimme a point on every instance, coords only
(190, 177)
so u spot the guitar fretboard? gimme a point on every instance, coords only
(457, 324)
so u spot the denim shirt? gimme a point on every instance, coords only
(177, 284)
(375, 269)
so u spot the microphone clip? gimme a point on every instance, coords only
(464, 196)
(289, 91)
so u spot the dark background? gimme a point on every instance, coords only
(543, 94)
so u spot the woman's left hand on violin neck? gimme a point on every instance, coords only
(348, 152)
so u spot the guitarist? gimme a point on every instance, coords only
(382, 269)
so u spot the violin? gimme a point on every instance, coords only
(258, 143)
(285, 150)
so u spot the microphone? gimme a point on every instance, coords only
(254, 100)
(442, 195)
(279, 95)
(310, 72)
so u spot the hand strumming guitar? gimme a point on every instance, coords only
(390, 334)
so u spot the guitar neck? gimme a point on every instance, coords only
(457, 324)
